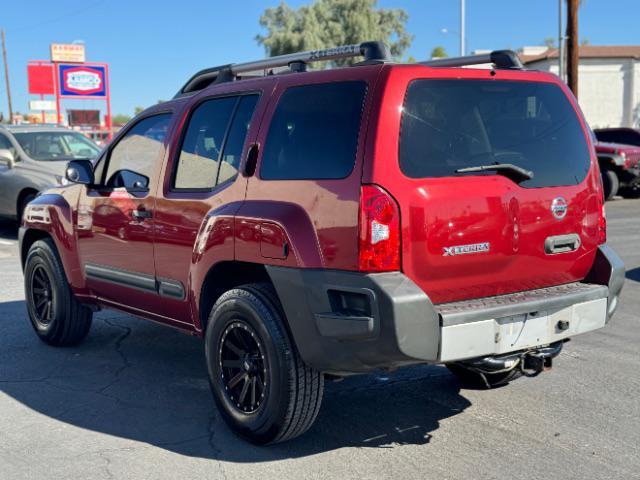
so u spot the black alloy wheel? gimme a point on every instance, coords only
(243, 366)
(41, 298)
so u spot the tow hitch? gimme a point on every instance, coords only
(536, 362)
(531, 362)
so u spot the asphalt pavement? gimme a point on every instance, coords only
(133, 402)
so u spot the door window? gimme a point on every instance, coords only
(211, 149)
(135, 156)
(203, 143)
(237, 136)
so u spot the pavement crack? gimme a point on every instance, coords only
(212, 445)
(119, 350)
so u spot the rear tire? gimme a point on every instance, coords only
(56, 315)
(263, 389)
(473, 379)
(610, 183)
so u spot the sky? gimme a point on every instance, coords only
(153, 47)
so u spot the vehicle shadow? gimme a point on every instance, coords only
(148, 383)
(633, 274)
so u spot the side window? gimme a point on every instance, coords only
(135, 155)
(237, 136)
(202, 145)
(314, 132)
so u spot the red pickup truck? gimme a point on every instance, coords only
(317, 224)
(620, 168)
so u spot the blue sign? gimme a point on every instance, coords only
(82, 80)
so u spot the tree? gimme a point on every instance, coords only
(120, 119)
(439, 52)
(138, 110)
(329, 23)
(549, 42)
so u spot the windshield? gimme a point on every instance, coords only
(53, 146)
(450, 125)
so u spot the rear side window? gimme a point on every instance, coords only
(452, 124)
(314, 132)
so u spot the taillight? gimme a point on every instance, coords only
(602, 227)
(379, 243)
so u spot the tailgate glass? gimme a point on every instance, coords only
(452, 124)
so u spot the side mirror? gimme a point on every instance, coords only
(80, 171)
(6, 158)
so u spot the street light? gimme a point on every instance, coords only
(461, 32)
(462, 27)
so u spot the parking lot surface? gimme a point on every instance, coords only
(133, 402)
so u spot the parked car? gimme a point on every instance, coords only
(328, 223)
(619, 156)
(34, 158)
(627, 136)
(620, 169)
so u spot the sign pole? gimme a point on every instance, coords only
(108, 92)
(42, 111)
(57, 91)
(6, 76)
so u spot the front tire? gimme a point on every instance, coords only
(263, 389)
(56, 315)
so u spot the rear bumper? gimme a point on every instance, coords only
(347, 322)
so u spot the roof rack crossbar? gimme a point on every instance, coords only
(506, 59)
(371, 51)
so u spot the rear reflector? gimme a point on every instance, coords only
(602, 227)
(379, 244)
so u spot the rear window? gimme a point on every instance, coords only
(314, 132)
(452, 124)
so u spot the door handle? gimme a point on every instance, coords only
(141, 214)
(252, 160)
(561, 244)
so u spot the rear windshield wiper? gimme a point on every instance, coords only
(516, 173)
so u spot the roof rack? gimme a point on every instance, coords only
(373, 52)
(506, 59)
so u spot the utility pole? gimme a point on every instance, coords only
(462, 28)
(560, 41)
(6, 75)
(572, 46)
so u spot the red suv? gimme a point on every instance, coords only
(313, 225)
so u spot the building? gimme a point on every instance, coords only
(608, 81)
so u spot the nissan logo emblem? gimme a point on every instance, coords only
(559, 208)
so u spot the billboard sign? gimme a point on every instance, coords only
(65, 52)
(42, 105)
(82, 81)
(41, 79)
(84, 118)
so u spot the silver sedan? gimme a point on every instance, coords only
(32, 159)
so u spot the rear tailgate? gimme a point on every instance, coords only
(470, 235)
